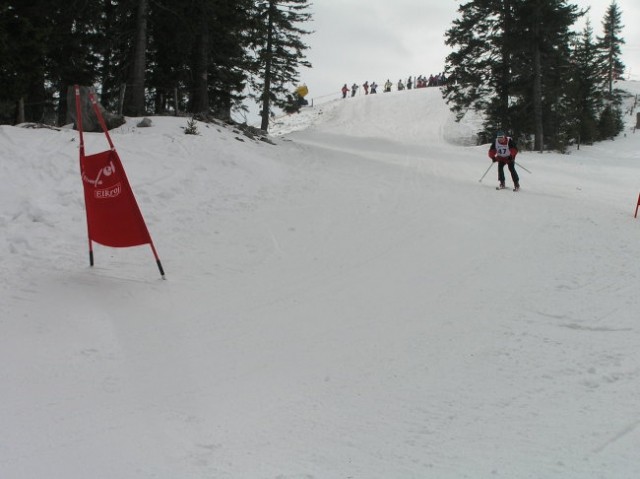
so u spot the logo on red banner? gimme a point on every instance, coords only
(108, 193)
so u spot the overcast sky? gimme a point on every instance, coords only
(372, 40)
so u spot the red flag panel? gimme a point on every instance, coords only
(113, 216)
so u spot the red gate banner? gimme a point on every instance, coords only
(113, 216)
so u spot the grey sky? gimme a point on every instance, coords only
(372, 40)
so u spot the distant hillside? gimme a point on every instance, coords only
(418, 116)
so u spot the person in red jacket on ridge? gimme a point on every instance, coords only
(504, 151)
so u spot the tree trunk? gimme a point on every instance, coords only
(267, 70)
(108, 86)
(136, 100)
(200, 100)
(610, 58)
(537, 100)
(20, 117)
(537, 81)
(121, 98)
(505, 74)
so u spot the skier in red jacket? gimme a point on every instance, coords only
(504, 151)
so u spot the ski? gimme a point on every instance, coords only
(498, 188)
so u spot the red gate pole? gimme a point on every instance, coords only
(79, 127)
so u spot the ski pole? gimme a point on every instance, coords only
(522, 167)
(485, 173)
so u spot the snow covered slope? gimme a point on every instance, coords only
(351, 302)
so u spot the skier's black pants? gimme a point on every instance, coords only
(511, 164)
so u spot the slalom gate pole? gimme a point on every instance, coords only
(79, 128)
(158, 262)
(520, 166)
(637, 206)
(485, 173)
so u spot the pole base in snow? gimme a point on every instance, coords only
(161, 269)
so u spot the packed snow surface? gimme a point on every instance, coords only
(350, 302)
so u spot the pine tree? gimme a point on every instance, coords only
(609, 44)
(135, 104)
(584, 94)
(544, 37)
(196, 55)
(48, 45)
(192, 54)
(508, 62)
(278, 52)
(218, 61)
(117, 51)
(170, 52)
(72, 56)
(199, 100)
(477, 68)
(229, 60)
(23, 52)
(611, 123)
(107, 52)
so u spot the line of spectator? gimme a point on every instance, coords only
(420, 82)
